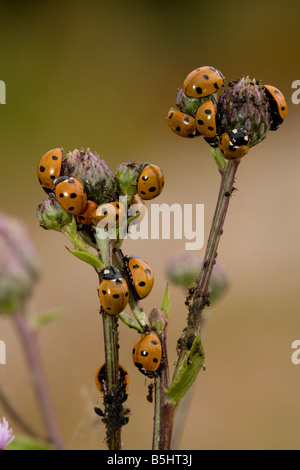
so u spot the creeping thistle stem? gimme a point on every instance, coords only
(191, 355)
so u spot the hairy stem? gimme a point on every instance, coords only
(29, 340)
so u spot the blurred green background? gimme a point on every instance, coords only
(103, 75)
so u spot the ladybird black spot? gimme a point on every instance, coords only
(152, 189)
(142, 284)
(200, 122)
(276, 92)
(154, 342)
(144, 353)
(216, 86)
(104, 292)
(163, 183)
(171, 115)
(54, 157)
(71, 180)
(147, 271)
(145, 178)
(118, 206)
(126, 295)
(155, 360)
(133, 351)
(71, 208)
(135, 266)
(208, 111)
(282, 108)
(119, 281)
(108, 308)
(116, 296)
(61, 195)
(116, 217)
(206, 77)
(52, 177)
(186, 120)
(104, 211)
(199, 90)
(143, 192)
(42, 169)
(178, 128)
(81, 217)
(210, 128)
(73, 195)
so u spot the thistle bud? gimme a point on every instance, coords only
(184, 268)
(127, 176)
(158, 320)
(244, 105)
(51, 215)
(19, 265)
(190, 105)
(93, 172)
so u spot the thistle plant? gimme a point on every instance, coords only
(94, 208)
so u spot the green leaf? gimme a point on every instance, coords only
(129, 321)
(187, 371)
(73, 228)
(45, 318)
(28, 443)
(165, 306)
(88, 258)
(219, 159)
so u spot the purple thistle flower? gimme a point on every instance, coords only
(6, 434)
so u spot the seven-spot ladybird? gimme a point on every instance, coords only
(147, 354)
(49, 168)
(206, 119)
(101, 378)
(182, 124)
(71, 194)
(85, 216)
(109, 215)
(150, 182)
(278, 106)
(113, 291)
(137, 208)
(234, 144)
(141, 276)
(203, 81)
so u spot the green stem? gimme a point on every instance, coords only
(191, 357)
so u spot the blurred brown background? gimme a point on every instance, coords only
(103, 75)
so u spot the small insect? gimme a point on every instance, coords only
(113, 291)
(234, 144)
(71, 194)
(150, 393)
(150, 182)
(203, 81)
(109, 215)
(141, 276)
(278, 106)
(206, 119)
(85, 217)
(182, 124)
(49, 168)
(147, 354)
(101, 378)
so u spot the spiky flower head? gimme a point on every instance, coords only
(244, 106)
(19, 265)
(127, 175)
(93, 172)
(189, 105)
(51, 215)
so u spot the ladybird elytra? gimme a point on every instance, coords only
(113, 291)
(100, 378)
(203, 81)
(71, 194)
(49, 168)
(85, 216)
(206, 119)
(182, 124)
(109, 215)
(141, 276)
(147, 354)
(234, 144)
(150, 182)
(278, 106)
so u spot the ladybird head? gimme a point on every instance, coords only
(111, 273)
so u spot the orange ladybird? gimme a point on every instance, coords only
(49, 168)
(146, 354)
(150, 182)
(113, 291)
(109, 214)
(71, 194)
(203, 81)
(278, 106)
(234, 144)
(141, 276)
(85, 216)
(182, 124)
(206, 119)
(101, 378)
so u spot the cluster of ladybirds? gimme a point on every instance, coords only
(113, 290)
(200, 89)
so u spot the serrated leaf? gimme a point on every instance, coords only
(165, 306)
(88, 258)
(28, 443)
